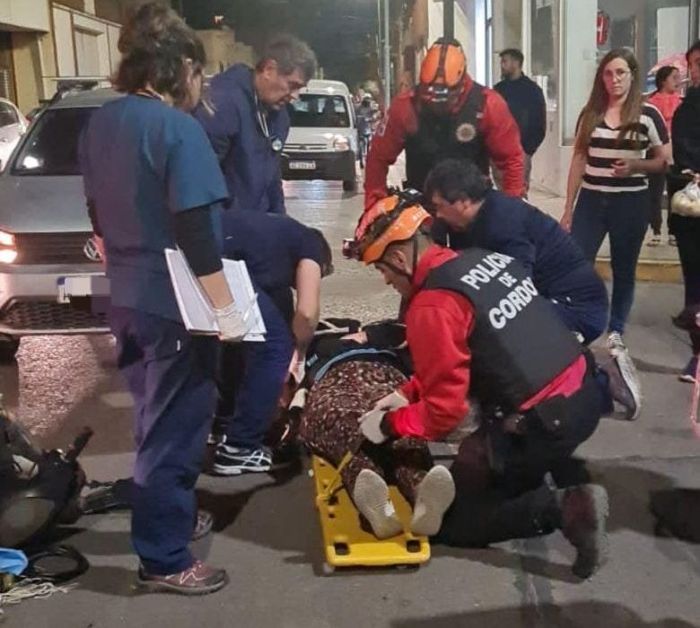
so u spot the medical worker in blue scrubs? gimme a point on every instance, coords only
(151, 179)
(247, 121)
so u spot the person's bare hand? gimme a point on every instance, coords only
(623, 167)
(359, 337)
(565, 221)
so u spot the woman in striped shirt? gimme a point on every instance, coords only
(620, 140)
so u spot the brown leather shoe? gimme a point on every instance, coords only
(199, 579)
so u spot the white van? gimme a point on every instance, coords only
(322, 142)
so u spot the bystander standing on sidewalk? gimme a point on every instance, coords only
(526, 102)
(619, 141)
(686, 156)
(666, 99)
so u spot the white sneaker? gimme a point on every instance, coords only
(628, 371)
(434, 496)
(371, 497)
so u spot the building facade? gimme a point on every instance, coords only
(44, 42)
(562, 41)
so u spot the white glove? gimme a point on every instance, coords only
(297, 367)
(232, 327)
(371, 426)
(392, 401)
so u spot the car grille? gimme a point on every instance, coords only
(46, 317)
(305, 147)
(52, 248)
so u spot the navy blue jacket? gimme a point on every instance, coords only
(511, 226)
(271, 246)
(526, 102)
(250, 165)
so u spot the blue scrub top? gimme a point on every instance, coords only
(250, 165)
(143, 161)
(272, 245)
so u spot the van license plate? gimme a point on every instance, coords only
(302, 165)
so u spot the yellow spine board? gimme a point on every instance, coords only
(346, 544)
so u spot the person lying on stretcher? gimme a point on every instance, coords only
(347, 374)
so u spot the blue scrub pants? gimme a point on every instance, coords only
(251, 379)
(624, 216)
(171, 377)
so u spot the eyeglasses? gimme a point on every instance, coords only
(617, 74)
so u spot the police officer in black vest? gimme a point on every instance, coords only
(476, 326)
(469, 213)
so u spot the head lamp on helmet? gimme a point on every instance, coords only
(442, 73)
(393, 219)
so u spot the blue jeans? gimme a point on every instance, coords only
(251, 379)
(171, 376)
(624, 216)
(588, 317)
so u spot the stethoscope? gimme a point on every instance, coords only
(275, 142)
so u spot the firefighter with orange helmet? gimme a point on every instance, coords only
(447, 115)
(476, 326)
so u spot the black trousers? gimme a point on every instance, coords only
(657, 184)
(687, 232)
(514, 501)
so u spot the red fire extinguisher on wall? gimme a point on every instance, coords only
(602, 30)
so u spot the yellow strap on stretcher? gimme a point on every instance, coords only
(334, 484)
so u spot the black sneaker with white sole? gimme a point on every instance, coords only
(230, 460)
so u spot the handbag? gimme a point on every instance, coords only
(686, 202)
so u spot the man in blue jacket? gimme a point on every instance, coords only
(247, 122)
(526, 102)
(472, 215)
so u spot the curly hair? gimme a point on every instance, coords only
(155, 42)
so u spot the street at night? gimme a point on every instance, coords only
(267, 530)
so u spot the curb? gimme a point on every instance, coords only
(656, 271)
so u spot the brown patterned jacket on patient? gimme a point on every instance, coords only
(329, 426)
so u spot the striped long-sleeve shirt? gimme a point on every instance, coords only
(605, 148)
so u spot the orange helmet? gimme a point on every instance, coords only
(442, 72)
(392, 219)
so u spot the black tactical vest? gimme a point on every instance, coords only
(518, 344)
(442, 137)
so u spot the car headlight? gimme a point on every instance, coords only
(8, 251)
(341, 143)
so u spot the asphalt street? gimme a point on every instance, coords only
(267, 533)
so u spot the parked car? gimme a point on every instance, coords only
(322, 142)
(12, 126)
(51, 278)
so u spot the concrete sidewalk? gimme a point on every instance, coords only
(656, 263)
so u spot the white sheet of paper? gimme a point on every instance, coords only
(197, 314)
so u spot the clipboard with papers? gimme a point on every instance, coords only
(196, 311)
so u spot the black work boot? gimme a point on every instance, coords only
(584, 510)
